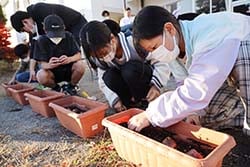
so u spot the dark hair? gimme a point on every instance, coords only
(150, 21)
(94, 35)
(21, 50)
(128, 8)
(16, 20)
(113, 26)
(105, 12)
(241, 9)
(187, 16)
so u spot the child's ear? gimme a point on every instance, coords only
(112, 38)
(170, 28)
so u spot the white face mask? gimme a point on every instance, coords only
(56, 40)
(162, 54)
(33, 31)
(26, 59)
(111, 55)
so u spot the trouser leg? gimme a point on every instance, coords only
(137, 76)
(114, 81)
(242, 74)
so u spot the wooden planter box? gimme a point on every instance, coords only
(17, 92)
(39, 101)
(85, 124)
(140, 149)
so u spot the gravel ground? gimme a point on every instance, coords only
(29, 139)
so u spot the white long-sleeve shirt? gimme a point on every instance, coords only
(126, 20)
(212, 45)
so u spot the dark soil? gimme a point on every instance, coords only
(42, 96)
(183, 143)
(77, 108)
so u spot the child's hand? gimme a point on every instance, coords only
(65, 59)
(193, 119)
(152, 93)
(32, 76)
(138, 122)
(54, 60)
(119, 106)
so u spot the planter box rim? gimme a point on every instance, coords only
(22, 90)
(44, 99)
(81, 115)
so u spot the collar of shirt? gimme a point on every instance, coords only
(36, 34)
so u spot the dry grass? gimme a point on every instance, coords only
(6, 70)
(103, 154)
(74, 152)
(7, 67)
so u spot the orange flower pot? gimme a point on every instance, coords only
(140, 149)
(86, 124)
(17, 92)
(39, 101)
(6, 86)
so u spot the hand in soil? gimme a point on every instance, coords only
(138, 122)
(169, 142)
(119, 106)
(180, 142)
(193, 119)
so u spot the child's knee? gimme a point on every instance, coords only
(43, 76)
(79, 67)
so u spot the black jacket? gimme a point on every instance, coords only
(39, 11)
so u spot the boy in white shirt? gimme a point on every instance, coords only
(127, 19)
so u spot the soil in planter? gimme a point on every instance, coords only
(180, 142)
(42, 95)
(13, 83)
(77, 108)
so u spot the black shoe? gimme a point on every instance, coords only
(70, 89)
(57, 88)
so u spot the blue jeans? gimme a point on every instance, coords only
(23, 77)
(127, 29)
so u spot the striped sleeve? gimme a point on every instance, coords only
(161, 74)
(125, 46)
